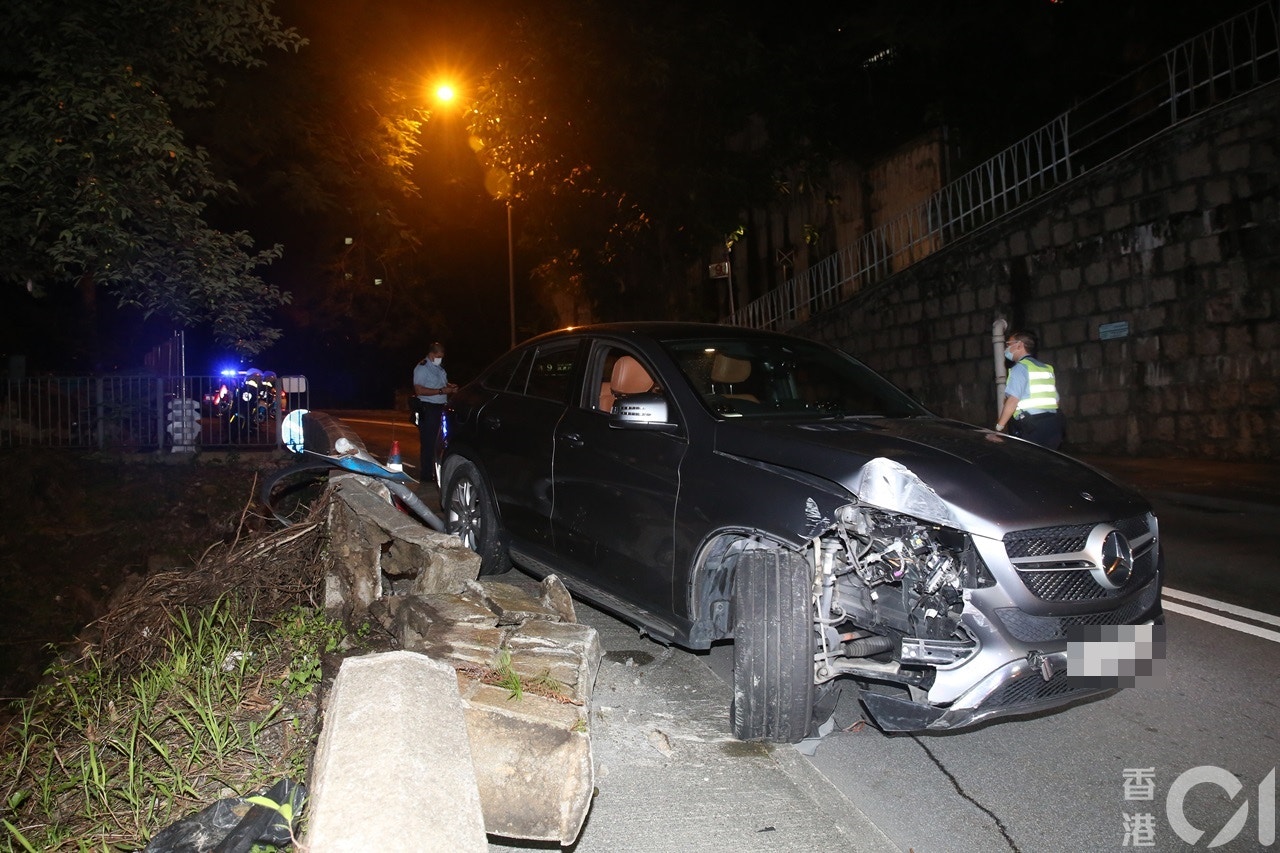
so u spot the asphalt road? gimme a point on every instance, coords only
(1097, 776)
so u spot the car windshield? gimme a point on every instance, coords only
(760, 377)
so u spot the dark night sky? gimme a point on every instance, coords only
(997, 72)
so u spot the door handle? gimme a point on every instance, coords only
(572, 439)
(490, 421)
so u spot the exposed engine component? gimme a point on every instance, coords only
(889, 591)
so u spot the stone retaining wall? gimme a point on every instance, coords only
(1179, 239)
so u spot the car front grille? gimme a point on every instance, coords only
(1042, 629)
(1051, 563)
(1030, 688)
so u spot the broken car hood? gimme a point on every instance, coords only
(989, 483)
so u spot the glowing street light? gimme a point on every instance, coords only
(445, 93)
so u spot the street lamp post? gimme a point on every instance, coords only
(511, 273)
(445, 93)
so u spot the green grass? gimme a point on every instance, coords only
(99, 760)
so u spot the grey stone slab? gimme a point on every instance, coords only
(444, 607)
(514, 604)
(393, 769)
(555, 596)
(459, 644)
(567, 655)
(371, 540)
(533, 763)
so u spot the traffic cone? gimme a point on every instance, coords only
(393, 461)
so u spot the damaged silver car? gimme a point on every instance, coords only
(709, 483)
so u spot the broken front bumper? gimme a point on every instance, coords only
(1038, 682)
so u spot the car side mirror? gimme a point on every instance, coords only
(640, 411)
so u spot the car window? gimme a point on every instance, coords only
(499, 377)
(750, 377)
(617, 372)
(552, 371)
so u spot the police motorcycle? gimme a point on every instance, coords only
(250, 401)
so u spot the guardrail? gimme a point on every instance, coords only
(1236, 56)
(137, 412)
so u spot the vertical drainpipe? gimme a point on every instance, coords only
(998, 330)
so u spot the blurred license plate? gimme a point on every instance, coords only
(1117, 655)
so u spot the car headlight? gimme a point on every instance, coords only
(892, 486)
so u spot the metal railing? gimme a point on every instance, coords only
(135, 412)
(1234, 57)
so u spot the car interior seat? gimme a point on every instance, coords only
(628, 378)
(726, 372)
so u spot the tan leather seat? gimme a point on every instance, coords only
(728, 371)
(629, 377)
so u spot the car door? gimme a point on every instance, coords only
(616, 489)
(515, 434)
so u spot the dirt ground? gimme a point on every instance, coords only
(76, 525)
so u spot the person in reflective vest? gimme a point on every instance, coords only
(1031, 401)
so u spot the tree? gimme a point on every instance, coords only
(618, 131)
(99, 187)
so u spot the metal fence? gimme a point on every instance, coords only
(1234, 57)
(139, 412)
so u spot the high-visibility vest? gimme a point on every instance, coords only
(1043, 391)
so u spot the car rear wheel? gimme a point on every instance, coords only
(469, 513)
(773, 641)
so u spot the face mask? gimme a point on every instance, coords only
(436, 360)
(1008, 355)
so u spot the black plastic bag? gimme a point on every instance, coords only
(232, 825)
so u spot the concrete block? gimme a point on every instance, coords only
(1218, 192)
(352, 578)
(1173, 257)
(1096, 274)
(533, 765)
(1018, 243)
(1184, 199)
(448, 564)
(1193, 163)
(458, 608)
(1117, 217)
(1233, 158)
(512, 604)
(567, 655)
(393, 770)
(555, 596)
(531, 754)
(372, 541)
(420, 627)
(1133, 186)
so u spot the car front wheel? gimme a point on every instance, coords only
(773, 642)
(469, 513)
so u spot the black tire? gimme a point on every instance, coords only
(773, 644)
(468, 512)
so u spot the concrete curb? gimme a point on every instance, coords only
(393, 769)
